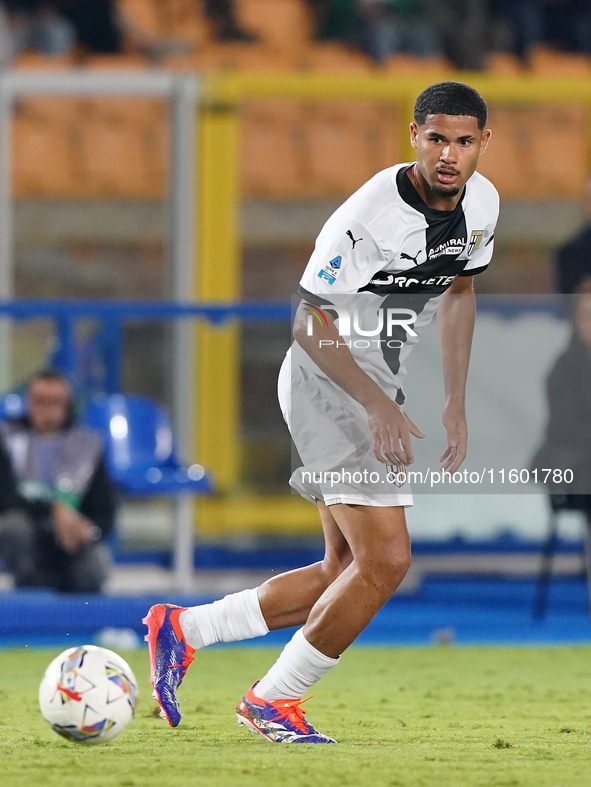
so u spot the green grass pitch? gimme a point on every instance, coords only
(404, 717)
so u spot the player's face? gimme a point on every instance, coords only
(448, 147)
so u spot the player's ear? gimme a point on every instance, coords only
(486, 135)
(414, 132)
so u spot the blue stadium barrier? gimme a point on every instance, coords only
(465, 611)
(111, 317)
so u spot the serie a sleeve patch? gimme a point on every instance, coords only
(332, 269)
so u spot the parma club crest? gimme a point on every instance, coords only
(396, 474)
(475, 241)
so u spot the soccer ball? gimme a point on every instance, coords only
(88, 694)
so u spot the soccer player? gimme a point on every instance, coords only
(406, 244)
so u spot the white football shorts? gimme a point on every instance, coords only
(332, 436)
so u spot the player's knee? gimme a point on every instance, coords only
(334, 565)
(386, 569)
(402, 563)
(337, 558)
(398, 564)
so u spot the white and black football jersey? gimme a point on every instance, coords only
(384, 252)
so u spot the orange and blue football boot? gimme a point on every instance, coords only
(170, 657)
(281, 721)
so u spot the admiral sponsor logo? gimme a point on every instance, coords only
(475, 241)
(406, 281)
(453, 246)
(332, 269)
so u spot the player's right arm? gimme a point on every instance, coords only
(345, 258)
(390, 427)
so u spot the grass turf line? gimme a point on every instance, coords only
(404, 717)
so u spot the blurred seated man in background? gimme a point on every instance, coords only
(567, 444)
(56, 501)
(573, 259)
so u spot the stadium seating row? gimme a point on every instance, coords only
(285, 32)
(329, 57)
(285, 40)
(282, 24)
(90, 148)
(119, 148)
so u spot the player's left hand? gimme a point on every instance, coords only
(454, 421)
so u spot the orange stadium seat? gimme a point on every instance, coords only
(272, 133)
(243, 57)
(549, 62)
(155, 140)
(118, 158)
(297, 149)
(131, 61)
(283, 24)
(132, 111)
(537, 150)
(409, 65)
(183, 19)
(231, 57)
(43, 146)
(103, 147)
(49, 110)
(38, 62)
(181, 62)
(362, 134)
(43, 159)
(333, 58)
(143, 13)
(503, 64)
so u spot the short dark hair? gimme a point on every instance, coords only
(49, 374)
(450, 98)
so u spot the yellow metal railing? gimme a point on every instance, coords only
(218, 279)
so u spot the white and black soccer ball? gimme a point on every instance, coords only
(88, 694)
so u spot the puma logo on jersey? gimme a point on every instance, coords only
(405, 256)
(353, 240)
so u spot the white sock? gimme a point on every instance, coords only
(231, 619)
(298, 667)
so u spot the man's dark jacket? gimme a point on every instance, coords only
(573, 262)
(97, 502)
(567, 444)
